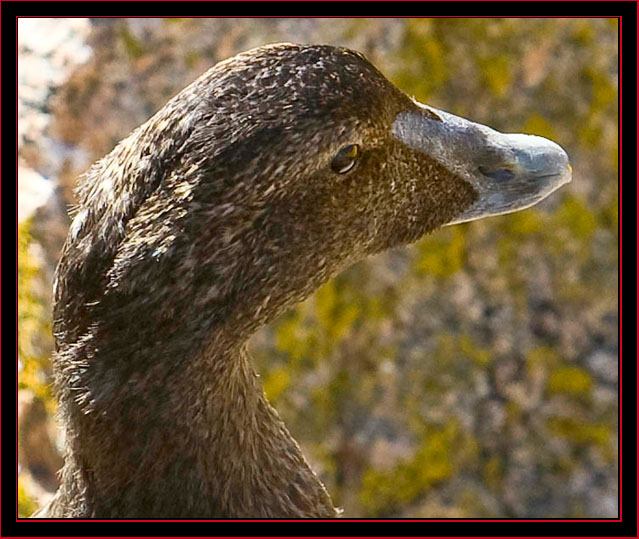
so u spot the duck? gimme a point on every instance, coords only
(253, 186)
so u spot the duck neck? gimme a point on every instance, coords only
(196, 438)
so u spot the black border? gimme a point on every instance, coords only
(502, 528)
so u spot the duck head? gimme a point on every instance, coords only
(244, 193)
(281, 166)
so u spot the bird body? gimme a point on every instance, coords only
(253, 186)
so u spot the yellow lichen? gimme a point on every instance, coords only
(276, 382)
(26, 504)
(443, 254)
(584, 433)
(570, 380)
(383, 490)
(493, 472)
(34, 325)
(540, 126)
(497, 74)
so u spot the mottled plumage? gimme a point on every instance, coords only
(205, 223)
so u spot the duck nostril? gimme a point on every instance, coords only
(500, 175)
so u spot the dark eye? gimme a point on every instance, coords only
(345, 159)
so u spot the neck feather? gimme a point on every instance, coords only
(195, 438)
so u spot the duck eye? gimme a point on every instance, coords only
(345, 159)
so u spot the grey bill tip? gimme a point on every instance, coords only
(510, 172)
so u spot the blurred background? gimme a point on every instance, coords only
(471, 374)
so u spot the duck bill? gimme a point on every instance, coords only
(509, 172)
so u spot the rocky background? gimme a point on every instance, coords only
(472, 374)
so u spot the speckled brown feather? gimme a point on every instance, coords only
(205, 223)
